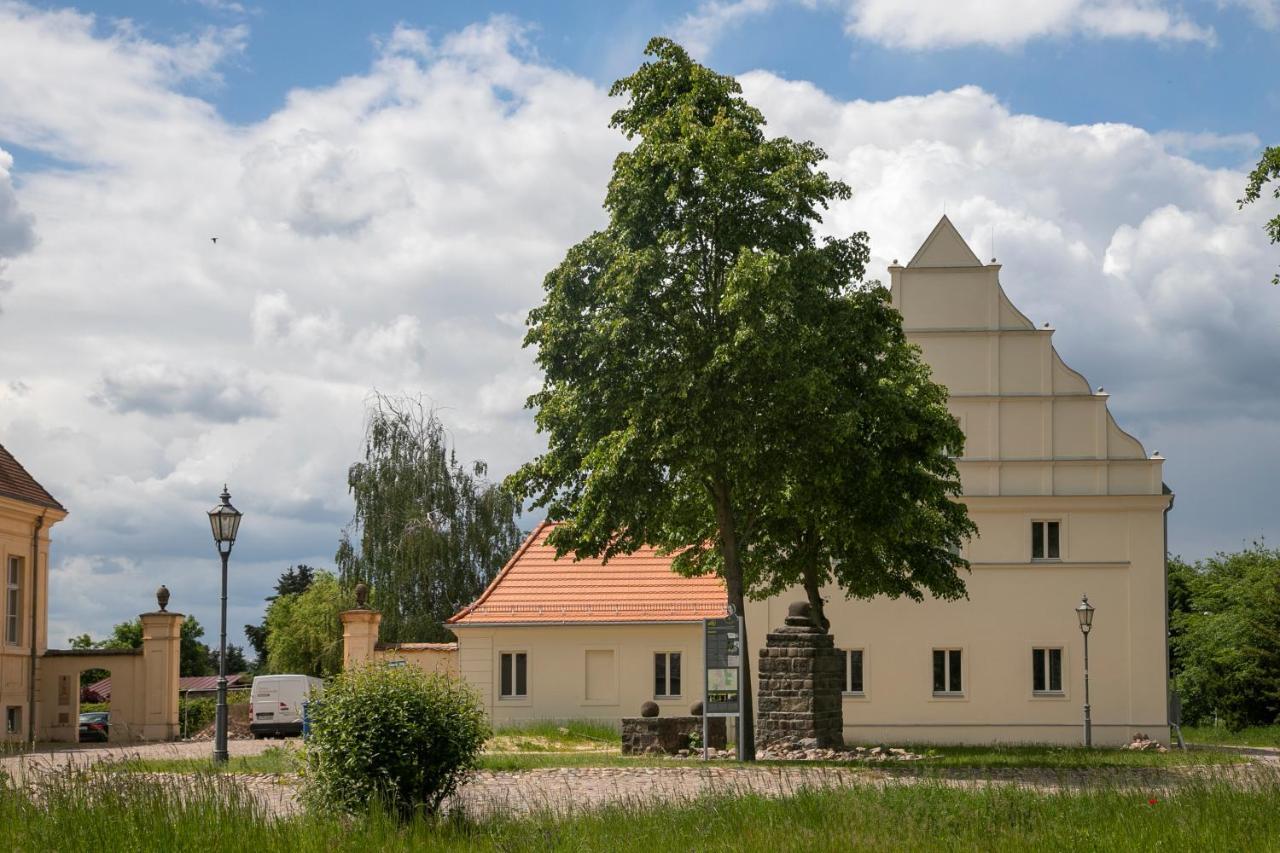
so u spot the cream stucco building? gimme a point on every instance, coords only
(1065, 503)
(39, 686)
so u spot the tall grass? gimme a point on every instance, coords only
(1215, 735)
(78, 811)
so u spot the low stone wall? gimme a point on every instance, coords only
(645, 735)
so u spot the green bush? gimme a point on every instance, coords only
(395, 735)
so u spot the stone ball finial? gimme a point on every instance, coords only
(696, 709)
(162, 597)
(362, 596)
(649, 709)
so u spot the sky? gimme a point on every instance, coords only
(389, 182)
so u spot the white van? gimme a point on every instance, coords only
(275, 703)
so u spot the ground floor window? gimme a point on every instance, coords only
(13, 719)
(948, 672)
(666, 674)
(515, 675)
(1046, 670)
(851, 677)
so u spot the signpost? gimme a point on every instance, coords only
(722, 680)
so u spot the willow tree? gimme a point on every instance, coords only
(431, 532)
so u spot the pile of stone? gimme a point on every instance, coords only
(807, 749)
(1142, 743)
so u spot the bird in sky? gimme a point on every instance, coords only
(214, 239)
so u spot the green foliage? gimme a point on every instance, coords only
(293, 581)
(235, 660)
(432, 533)
(393, 736)
(712, 369)
(1268, 169)
(195, 714)
(1225, 637)
(304, 631)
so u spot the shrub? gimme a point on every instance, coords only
(397, 735)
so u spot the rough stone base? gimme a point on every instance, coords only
(647, 735)
(799, 682)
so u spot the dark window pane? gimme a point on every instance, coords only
(506, 675)
(855, 671)
(939, 671)
(675, 673)
(1037, 669)
(1053, 539)
(954, 674)
(1055, 669)
(522, 674)
(1037, 540)
(660, 674)
(844, 670)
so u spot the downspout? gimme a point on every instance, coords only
(35, 594)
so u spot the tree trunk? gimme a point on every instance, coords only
(813, 590)
(734, 587)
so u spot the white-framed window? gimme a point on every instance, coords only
(1046, 540)
(13, 602)
(1046, 670)
(851, 677)
(13, 719)
(948, 672)
(666, 674)
(513, 675)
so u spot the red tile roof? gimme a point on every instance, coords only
(195, 683)
(16, 483)
(535, 587)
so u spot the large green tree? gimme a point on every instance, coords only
(1267, 170)
(293, 581)
(1225, 637)
(868, 503)
(690, 382)
(304, 630)
(431, 532)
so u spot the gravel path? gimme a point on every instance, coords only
(82, 755)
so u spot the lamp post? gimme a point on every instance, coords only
(1084, 612)
(225, 521)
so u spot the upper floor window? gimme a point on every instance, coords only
(666, 674)
(13, 602)
(1046, 670)
(1045, 540)
(851, 676)
(948, 672)
(515, 675)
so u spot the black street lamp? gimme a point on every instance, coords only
(225, 521)
(1084, 612)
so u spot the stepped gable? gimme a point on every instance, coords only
(19, 485)
(537, 588)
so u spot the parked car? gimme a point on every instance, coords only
(275, 703)
(95, 726)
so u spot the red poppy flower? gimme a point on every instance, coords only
(1151, 802)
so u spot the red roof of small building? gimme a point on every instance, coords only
(16, 483)
(535, 587)
(194, 683)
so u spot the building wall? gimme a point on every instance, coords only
(597, 671)
(17, 524)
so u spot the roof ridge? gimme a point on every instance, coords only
(488, 590)
(49, 500)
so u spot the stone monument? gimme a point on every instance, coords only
(799, 678)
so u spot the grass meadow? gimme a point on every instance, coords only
(77, 811)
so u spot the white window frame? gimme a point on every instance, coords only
(514, 696)
(1049, 691)
(847, 654)
(947, 652)
(1044, 540)
(13, 601)
(653, 681)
